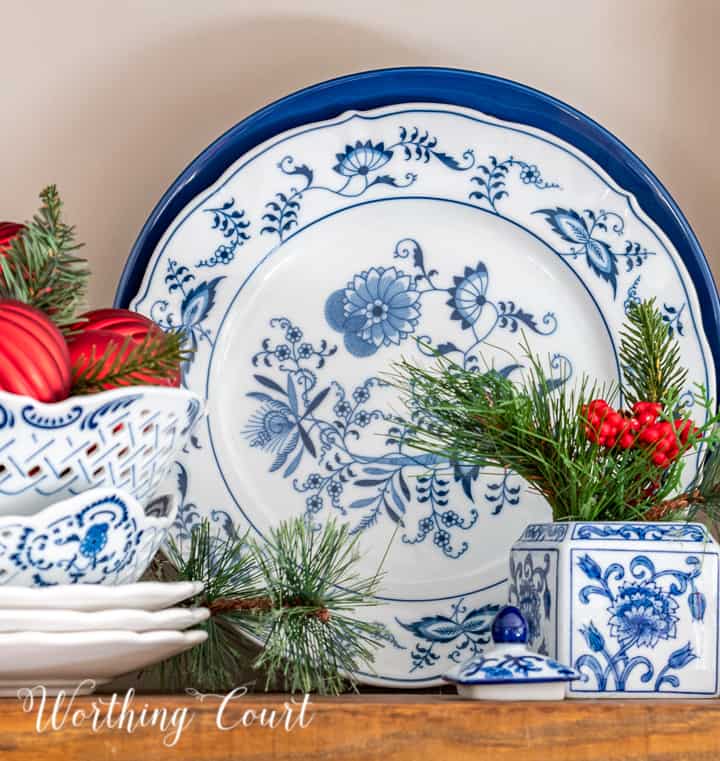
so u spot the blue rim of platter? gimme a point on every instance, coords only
(494, 96)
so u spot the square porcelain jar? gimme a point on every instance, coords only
(632, 606)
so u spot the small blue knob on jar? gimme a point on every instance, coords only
(509, 626)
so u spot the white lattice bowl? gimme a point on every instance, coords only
(103, 536)
(126, 438)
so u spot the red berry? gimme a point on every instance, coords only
(646, 418)
(615, 419)
(665, 428)
(627, 440)
(650, 435)
(683, 429)
(606, 430)
(639, 407)
(610, 442)
(663, 445)
(660, 459)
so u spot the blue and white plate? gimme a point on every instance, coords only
(314, 263)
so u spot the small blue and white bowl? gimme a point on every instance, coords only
(126, 438)
(508, 670)
(103, 536)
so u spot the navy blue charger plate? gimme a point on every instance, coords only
(501, 98)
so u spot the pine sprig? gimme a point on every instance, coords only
(297, 593)
(229, 573)
(127, 362)
(40, 267)
(312, 641)
(650, 356)
(486, 420)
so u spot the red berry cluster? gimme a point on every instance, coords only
(641, 428)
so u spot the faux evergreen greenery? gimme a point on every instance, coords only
(295, 595)
(650, 357)
(40, 267)
(539, 430)
(127, 362)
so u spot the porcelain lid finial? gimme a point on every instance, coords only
(509, 627)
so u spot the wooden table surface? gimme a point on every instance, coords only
(388, 727)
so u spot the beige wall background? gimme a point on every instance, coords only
(111, 100)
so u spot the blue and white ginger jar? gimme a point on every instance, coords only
(632, 606)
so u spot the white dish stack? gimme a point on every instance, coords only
(80, 522)
(70, 637)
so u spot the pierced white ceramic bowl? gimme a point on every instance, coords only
(126, 438)
(103, 536)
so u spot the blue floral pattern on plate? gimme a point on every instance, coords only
(302, 417)
(310, 421)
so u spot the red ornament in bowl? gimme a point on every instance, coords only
(123, 322)
(8, 231)
(34, 358)
(112, 351)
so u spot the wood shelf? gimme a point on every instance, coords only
(389, 727)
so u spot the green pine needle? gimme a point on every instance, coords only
(127, 362)
(297, 593)
(228, 572)
(40, 267)
(484, 419)
(313, 642)
(649, 356)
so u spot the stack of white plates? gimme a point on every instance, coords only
(62, 637)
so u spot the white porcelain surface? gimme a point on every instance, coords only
(632, 606)
(127, 619)
(125, 438)
(33, 658)
(540, 691)
(102, 536)
(318, 259)
(144, 595)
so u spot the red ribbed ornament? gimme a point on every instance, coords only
(123, 322)
(91, 345)
(8, 231)
(34, 358)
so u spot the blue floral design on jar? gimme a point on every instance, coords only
(343, 408)
(363, 418)
(379, 307)
(361, 159)
(642, 614)
(643, 611)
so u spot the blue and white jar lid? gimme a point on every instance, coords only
(508, 660)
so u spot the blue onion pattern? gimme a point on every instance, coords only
(303, 415)
(643, 612)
